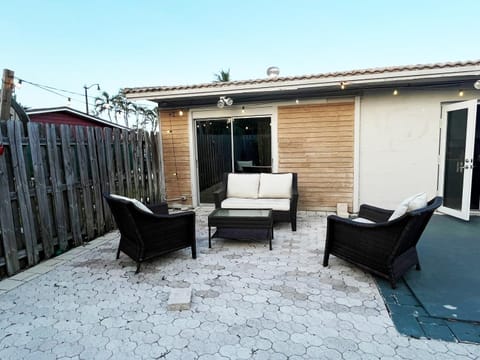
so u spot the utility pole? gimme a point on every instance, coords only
(6, 95)
(85, 87)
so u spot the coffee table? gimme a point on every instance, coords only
(241, 224)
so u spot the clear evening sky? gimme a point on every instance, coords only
(67, 44)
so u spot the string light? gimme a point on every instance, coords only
(342, 85)
(460, 93)
(395, 92)
(54, 90)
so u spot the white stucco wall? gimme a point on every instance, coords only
(399, 143)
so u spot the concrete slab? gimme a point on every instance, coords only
(179, 299)
(342, 210)
(9, 284)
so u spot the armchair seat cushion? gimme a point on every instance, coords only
(242, 203)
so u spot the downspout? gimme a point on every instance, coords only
(356, 154)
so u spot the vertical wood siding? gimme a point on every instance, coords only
(176, 155)
(317, 142)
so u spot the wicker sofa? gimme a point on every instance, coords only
(382, 242)
(150, 231)
(278, 192)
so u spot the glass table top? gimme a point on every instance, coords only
(241, 213)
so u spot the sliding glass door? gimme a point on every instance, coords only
(231, 145)
(214, 155)
(252, 145)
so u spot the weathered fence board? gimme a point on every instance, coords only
(119, 170)
(57, 185)
(9, 241)
(83, 166)
(46, 231)
(126, 163)
(69, 166)
(15, 132)
(97, 190)
(51, 184)
(104, 181)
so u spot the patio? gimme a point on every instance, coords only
(247, 302)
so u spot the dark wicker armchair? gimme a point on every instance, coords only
(145, 235)
(385, 248)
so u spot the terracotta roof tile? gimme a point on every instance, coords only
(370, 71)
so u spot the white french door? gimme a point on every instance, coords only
(456, 157)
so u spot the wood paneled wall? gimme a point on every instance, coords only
(317, 142)
(176, 155)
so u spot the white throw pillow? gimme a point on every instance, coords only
(135, 202)
(275, 186)
(363, 220)
(243, 185)
(411, 203)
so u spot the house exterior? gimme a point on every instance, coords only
(68, 116)
(363, 136)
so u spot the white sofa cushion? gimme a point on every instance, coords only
(135, 202)
(411, 203)
(275, 186)
(242, 203)
(243, 186)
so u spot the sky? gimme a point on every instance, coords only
(69, 44)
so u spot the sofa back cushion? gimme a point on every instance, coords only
(275, 186)
(243, 186)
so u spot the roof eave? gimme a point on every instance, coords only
(357, 80)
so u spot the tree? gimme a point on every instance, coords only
(122, 106)
(222, 76)
(104, 103)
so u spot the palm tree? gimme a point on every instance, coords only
(122, 105)
(222, 76)
(151, 116)
(104, 103)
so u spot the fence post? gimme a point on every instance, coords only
(6, 94)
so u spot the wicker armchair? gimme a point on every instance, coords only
(385, 248)
(146, 235)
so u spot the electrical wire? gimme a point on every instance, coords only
(57, 91)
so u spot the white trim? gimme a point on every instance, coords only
(234, 111)
(471, 106)
(274, 138)
(356, 154)
(163, 187)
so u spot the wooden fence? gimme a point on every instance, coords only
(52, 178)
